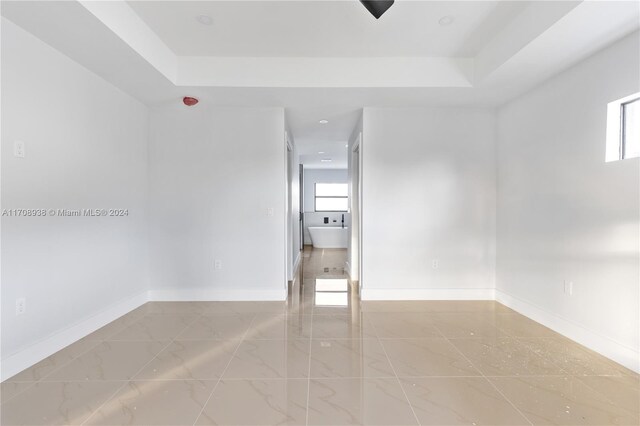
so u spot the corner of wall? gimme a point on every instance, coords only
(40, 350)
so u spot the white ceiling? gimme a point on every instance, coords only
(324, 28)
(317, 141)
(326, 59)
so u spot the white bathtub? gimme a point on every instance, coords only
(328, 236)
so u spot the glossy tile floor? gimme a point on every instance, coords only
(323, 358)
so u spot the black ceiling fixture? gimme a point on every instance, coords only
(377, 7)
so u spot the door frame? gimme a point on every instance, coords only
(288, 211)
(356, 225)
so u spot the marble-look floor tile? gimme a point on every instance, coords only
(172, 402)
(561, 401)
(256, 359)
(358, 402)
(349, 358)
(9, 390)
(623, 391)
(214, 326)
(55, 361)
(276, 326)
(113, 327)
(320, 308)
(516, 325)
(340, 326)
(505, 357)
(190, 359)
(459, 401)
(252, 363)
(175, 307)
(155, 327)
(56, 403)
(257, 402)
(427, 357)
(433, 306)
(120, 324)
(109, 361)
(466, 325)
(402, 325)
(391, 306)
(469, 306)
(244, 307)
(572, 357)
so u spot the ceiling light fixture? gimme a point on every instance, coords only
(320, 152)
(204, 19)
(377, 7)
(446, 20)
(323, 121)
(326, 160)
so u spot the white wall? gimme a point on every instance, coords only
(428, 193)
(86, 147)
(565, 214)
(213, 175)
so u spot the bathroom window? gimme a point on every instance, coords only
(623, 128)
(331, 197)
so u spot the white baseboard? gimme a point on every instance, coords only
(217, 295)
(38, 351)
(605, 346)
(427, 294)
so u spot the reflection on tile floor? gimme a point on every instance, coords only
(323, 358)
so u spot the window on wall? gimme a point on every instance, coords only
(623, 128)
(331, 197)
(630, 134)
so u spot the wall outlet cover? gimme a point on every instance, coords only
(18, 149)
(21, 306)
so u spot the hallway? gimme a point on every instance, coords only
(325, 285)
(323, 358)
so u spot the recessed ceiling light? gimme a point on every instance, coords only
(204, 19)
(326, 160)
(320, 152)
(346, 146)
(323, 121)
(446, 20)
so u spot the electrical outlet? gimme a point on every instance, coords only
(270, 212)
(21, 306)
(18, 149)
(435, 263)
(568, 288)
(217, 264)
